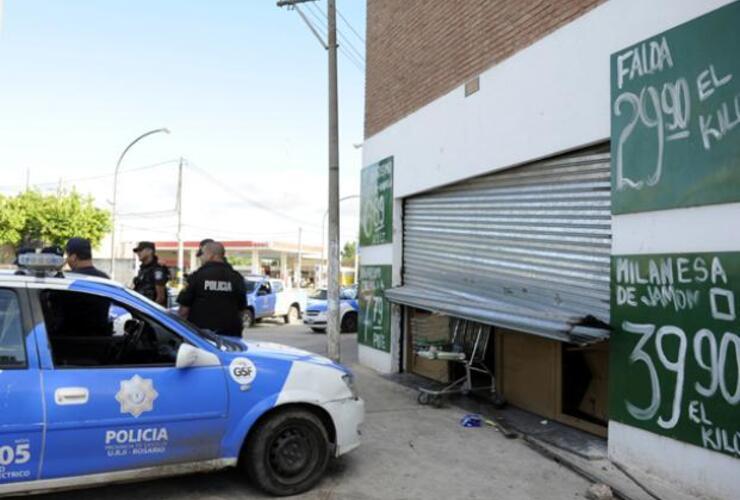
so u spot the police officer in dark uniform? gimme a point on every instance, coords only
(79, 258)
(153, 277)
(215, 297)
(83, 314)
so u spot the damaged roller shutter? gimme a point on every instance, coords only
(527, 248)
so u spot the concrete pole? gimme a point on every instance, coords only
(193, 260)
(299, 265)
(256, 268)
(180, 243)
(332, 326)
(284, 267)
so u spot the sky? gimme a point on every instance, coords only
(241, 84)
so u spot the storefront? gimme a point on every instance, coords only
(527, 251)
(506, 197)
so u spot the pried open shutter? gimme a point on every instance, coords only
(527, 248)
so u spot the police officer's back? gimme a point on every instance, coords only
(215, 296)
(153, 277)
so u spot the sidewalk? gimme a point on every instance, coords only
(415, 452)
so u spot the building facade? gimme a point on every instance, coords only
(497, 189)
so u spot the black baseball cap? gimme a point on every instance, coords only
(80, 247)
(202, 244)
(145, 244)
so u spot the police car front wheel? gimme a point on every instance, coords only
(287, 453)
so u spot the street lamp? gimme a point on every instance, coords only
(115, 197)
(323, 234)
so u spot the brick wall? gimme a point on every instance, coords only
(418, 50)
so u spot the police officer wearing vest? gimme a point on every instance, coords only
(215, 297)
(153, 277)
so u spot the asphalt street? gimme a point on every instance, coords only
(408, 452)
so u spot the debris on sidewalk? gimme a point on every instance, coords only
(599, 491)
(471, 420)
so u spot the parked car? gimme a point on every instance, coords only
(84, 407)
(349, 309)
(269, 298)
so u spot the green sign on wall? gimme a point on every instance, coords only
(376, 203)
(675, 111)
(675, 348)
(375, 310)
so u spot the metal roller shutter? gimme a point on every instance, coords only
(527, 248)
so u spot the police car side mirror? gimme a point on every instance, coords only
(189, 356)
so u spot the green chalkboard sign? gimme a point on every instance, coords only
(675, 116)
(675, 348)
(375, 310)
(376, 203)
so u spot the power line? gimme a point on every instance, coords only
(153, 214)
(149, 229)
(241, 196)
(91, 177)
(315, 8)
(352, 54)
(349, 25)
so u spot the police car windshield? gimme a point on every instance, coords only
(145, 299)
(319, 295)
(251, 285)
(214, 339)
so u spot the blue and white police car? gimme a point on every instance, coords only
(349, 309)
(86, 402)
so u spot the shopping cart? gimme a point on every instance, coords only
(468, 347)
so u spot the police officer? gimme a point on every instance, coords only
(202, 244)
(153, 276)
(215, 297)
(79, 258)
(83, 314)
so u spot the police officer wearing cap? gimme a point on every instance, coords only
(215, 297)
(79, 258)
(153, 276)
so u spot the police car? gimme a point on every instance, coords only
(315, 315)
(86, 402)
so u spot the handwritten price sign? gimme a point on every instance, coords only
(676, 117)
(675, 351)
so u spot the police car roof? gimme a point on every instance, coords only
(10, 276)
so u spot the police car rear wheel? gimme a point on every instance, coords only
(288, 453)
(293, 316)
(249, 318)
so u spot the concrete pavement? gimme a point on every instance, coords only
(409, 452)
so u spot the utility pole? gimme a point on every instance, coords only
(299, 268)
(332, 330)
(332, 310)
(180, 245)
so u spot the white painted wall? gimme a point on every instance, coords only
(548, 98)
(699, 472)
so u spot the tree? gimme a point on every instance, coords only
(32, 218)
(348, 254)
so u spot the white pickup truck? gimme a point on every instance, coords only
(269, 298)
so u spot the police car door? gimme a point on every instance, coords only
(265, 300)
(21, 416)
(109, 413)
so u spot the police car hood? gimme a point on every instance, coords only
(287, 353)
